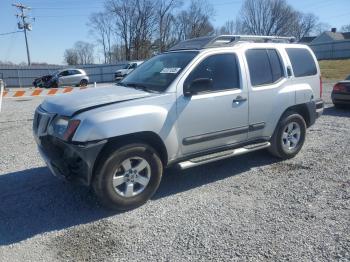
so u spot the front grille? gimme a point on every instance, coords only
(41, 121)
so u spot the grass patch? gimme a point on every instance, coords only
(335, 69)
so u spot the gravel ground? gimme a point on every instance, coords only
(248, 208)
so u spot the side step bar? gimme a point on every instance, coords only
(222, 155)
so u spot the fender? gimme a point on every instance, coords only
(155, 114)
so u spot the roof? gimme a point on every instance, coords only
(226, 41)
(307, 39)
(328, 36)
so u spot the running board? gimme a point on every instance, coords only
(222, 155)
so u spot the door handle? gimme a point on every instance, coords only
(239, 99)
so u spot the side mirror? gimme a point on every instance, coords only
(198, 85)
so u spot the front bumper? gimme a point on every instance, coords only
(73, 162)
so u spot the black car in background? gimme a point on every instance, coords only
(341, 93)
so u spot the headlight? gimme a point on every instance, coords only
(63, 128)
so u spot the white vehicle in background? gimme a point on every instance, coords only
(126, 69)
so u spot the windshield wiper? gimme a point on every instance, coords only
(138, 86)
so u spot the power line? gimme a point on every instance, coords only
(10, 33)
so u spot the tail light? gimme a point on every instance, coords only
(321, 87)
(339, 88)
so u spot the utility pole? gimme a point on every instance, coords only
(23, 24)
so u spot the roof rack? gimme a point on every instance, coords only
(228, 40)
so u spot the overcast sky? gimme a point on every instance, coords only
(60, 23)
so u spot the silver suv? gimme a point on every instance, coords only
(206, 99)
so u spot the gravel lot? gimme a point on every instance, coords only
(248, 208)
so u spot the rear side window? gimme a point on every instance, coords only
(221, 68)
(276, 65)
(265, 66)
(302, 62)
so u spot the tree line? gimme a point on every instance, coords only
(138, 29)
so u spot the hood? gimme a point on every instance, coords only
(122, 70)
(68, 104)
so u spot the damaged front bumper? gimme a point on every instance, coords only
(73, 162)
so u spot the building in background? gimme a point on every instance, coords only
(329, 45)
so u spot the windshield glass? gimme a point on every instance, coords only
(159, 72)
(348, 78)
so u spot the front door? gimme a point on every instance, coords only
(218, 116)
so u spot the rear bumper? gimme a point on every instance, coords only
(315, 110)
(340, 98)
(73, 162)
(319, 105)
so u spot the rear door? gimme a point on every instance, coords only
(75, 77)
(216, 117)
(268, 90)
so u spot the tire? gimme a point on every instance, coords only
(54, 85)
(112, 179)
(286, 141)
(339, 106)
(83, 82)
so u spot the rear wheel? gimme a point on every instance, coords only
(289, 136)
(128, 176)
(83, 82)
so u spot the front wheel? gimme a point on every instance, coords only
(128, 176)
(289, 136)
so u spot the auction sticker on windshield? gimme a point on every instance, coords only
(170, 70)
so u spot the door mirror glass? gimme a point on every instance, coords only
(198, 85)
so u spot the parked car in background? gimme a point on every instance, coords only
(206, 99)
(341, 93)
(126, 69)
(42, 81)
(69, 77)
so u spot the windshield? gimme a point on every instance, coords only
(159, 72)
(125, 66)
(348, 78)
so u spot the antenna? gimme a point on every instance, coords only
(24, 24)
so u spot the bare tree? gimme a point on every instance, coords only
(124, 12)
(320, 28)
(229, 28)
(102, 26)
(195, 21)
(81, 54)
(165, 20)
(267, 17)
(145, 21)
(303, 25)
(345, 28)
(70, 56)
(85, 52)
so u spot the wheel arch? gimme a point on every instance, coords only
(306, 110)
(146, 137)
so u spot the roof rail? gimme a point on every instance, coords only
(228, 40)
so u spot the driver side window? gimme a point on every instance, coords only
(221, 69)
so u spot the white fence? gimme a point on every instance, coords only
(23, 76)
